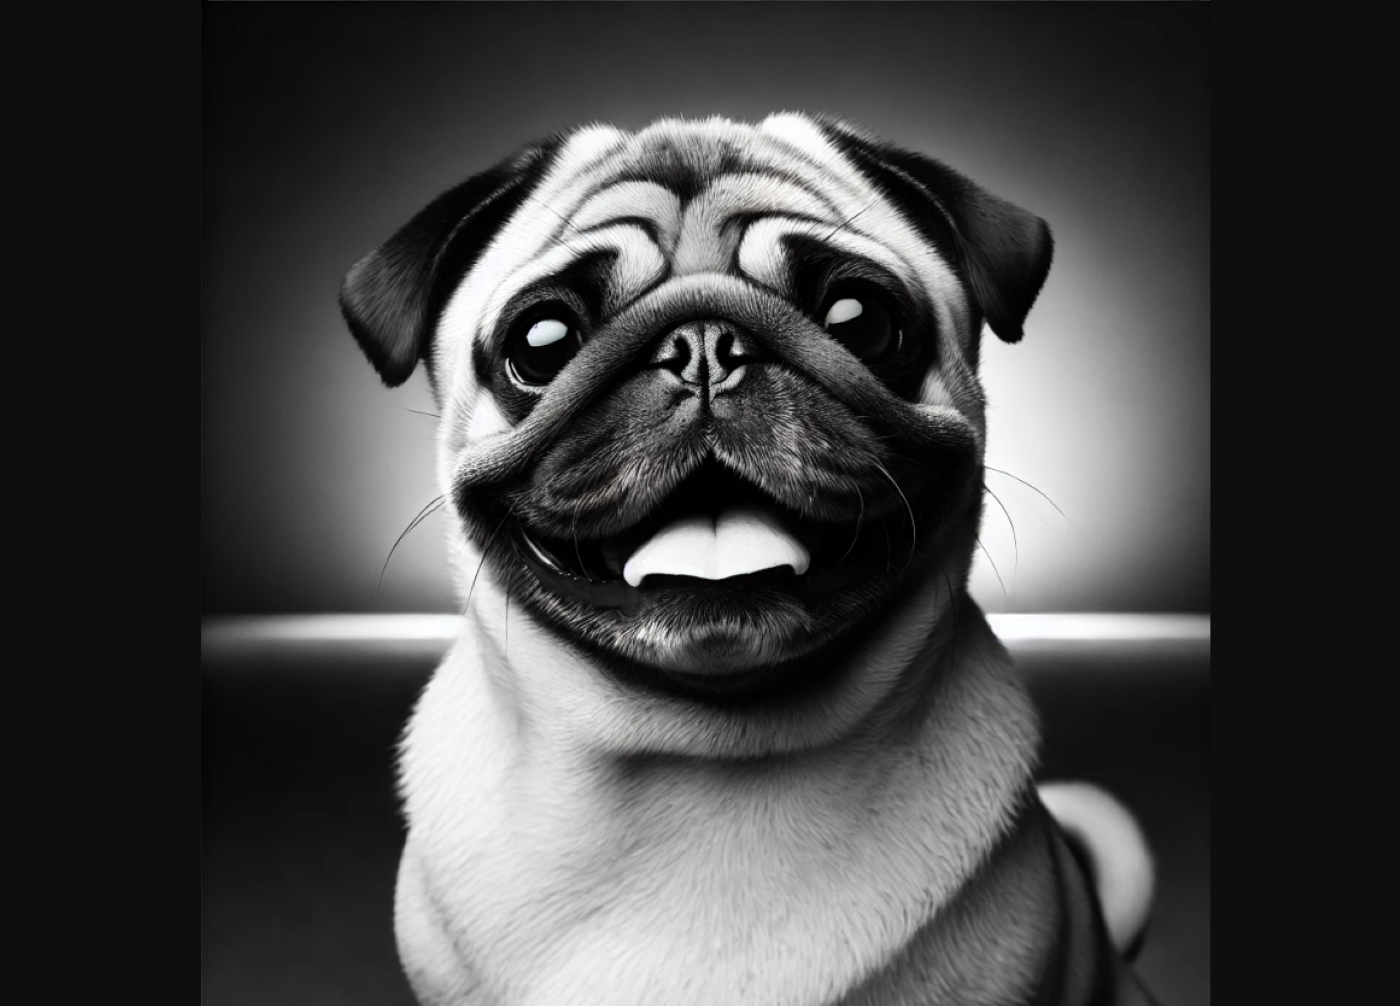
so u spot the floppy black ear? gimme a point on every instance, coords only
(392, 297)
(1003, 251)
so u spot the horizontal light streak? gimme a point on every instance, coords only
(232, 635)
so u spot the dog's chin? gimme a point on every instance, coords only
(739, 637)
(726, 635)
(721, 656)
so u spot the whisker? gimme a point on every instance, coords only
(847, 221)
(484, 550)
(860, 521)
(918, 466)
(568, 225)
(420, 412)
(994, 566)
(953, 610)
(913, 527)
(1033, 488)
(573, 531)
(423, 515)
(1016, 567)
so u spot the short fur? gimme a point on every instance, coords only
(770, 790)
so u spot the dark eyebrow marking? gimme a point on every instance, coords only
(645, 223)
(747, 219)
(743, 221)
(685, 187)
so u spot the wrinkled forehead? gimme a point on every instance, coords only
(709, 172)
(682, 197)
(686, 157)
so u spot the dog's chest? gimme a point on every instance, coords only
(719, 921)
(696, 886)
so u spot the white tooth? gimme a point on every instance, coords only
(741, 540)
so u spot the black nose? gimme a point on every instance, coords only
(706, 354)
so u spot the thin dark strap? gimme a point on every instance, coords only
(1115, 983)
(1049, 990)
(1131, 991)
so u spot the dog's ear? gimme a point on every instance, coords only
(1003, 251)
(392, 297)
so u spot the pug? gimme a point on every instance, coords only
(722, 724)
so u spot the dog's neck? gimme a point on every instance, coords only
(607, 846)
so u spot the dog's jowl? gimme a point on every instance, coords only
(722, 725)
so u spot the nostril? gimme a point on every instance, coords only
(724, 347)
(704, 353)
(676, 358)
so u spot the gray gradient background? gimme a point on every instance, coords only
(328, 126)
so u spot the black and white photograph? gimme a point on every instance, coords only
(705, 504)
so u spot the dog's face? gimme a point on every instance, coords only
(709, 391)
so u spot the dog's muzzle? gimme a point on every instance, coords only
(706, 357)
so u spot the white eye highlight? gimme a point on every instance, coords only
(549, 331)
(844, 310)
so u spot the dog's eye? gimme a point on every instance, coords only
(539, 352)
(861, 322)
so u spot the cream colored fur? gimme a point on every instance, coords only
(575, 841)
(572, 842)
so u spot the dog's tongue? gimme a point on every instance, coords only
(740, 540)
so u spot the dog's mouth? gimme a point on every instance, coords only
(717, 533)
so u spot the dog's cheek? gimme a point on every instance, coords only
(625, 453)
(953, 386)
(935, 391)
(475, 431)
(486, 419)
(473, 428)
